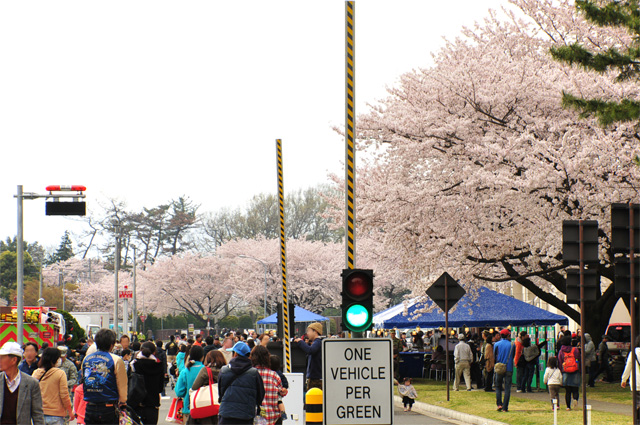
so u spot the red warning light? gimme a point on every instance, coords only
(358, 285)
(61, 188)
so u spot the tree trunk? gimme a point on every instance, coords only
(597, 314)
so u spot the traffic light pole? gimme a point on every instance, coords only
(350, 152)
(20, 197)
(286, 340)
(632, 312)
(582, 362)
(20, 265)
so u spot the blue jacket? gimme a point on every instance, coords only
(241, 389)
(180, 361)
(504, 351)
(185, 381)
(99, 373)
(24, 366)
(314, 358)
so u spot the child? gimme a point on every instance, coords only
(553, 379)
(408, 393)
(276, 366)
(79, 405)
(126, 357)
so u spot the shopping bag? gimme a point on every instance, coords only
(203, 402)
(175, 411)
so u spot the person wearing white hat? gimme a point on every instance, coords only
(20, 398)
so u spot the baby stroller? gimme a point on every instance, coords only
(173, 375)
(128, 416)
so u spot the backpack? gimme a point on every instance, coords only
(137, 390)
(569, 364)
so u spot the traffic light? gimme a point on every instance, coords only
(571, 241)
(66, 208)
(591, 285)
(623, 276)
(53, 318)
(292, 321)
(357, 299)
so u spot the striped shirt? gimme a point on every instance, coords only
(272, 384)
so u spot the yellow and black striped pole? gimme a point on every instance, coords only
(283, 260)
(350, 155)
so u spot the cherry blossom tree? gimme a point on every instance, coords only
(224, 283)
(313, 271)
(474, 162)
(191, 283)
(90, 286)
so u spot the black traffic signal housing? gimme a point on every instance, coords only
(591, 285)
(66, 208)
(357, 299)
(292, 321)
(571, 241)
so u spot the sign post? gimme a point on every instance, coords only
(125, 296)
(625, 236)
(446, 292)
(357, 375)
(580, 246)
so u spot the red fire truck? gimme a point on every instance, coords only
(41, 324)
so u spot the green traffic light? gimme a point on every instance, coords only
(358, 318)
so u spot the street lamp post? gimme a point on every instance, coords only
(265, 279)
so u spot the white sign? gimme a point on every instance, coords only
(357, 381)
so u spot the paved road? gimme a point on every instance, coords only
(401, 418)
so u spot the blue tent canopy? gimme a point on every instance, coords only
(489, 308)
(301, 315)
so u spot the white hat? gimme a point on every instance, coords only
(11, 349)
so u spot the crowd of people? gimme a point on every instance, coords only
(490, 359)
(106, 376)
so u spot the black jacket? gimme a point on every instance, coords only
(153, 379)
(162, 356)
(241, 389)
(208, 348)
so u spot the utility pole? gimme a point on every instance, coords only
(61, 283)
(40, 287)
(116, 261)
(134, 315)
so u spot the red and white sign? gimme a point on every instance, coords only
(126, 293)
(143, 318)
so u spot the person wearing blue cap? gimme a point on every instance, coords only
(238, 385)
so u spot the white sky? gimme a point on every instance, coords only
(149, 100)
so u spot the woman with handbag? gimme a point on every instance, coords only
(187, 377)
(214, 361)
(261, 360)
(151, 369)
(56, 403)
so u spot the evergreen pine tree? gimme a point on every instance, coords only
(624, 62)
(64, 251)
